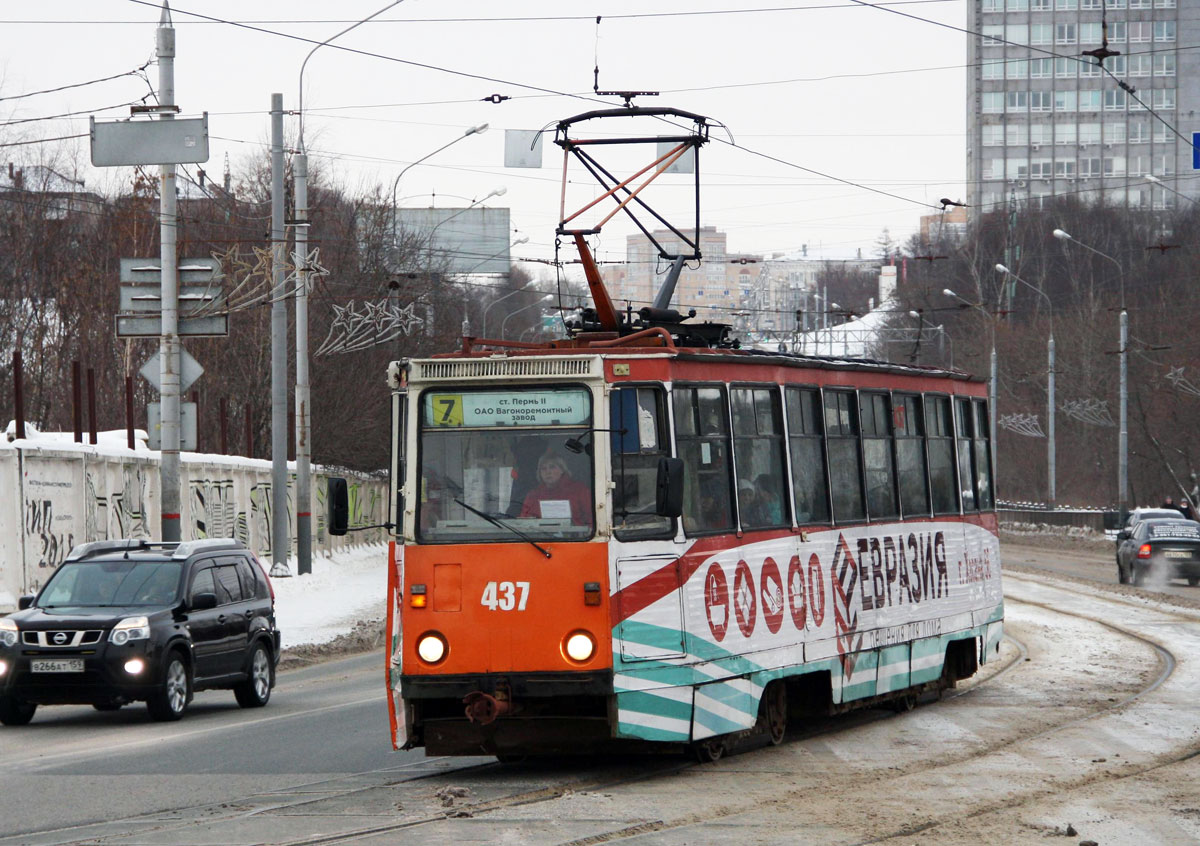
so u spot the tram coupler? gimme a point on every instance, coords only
(484, 709)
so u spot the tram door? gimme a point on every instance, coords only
(654, 630)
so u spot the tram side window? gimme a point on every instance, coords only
(966, 459)
(810, 489)
(877, 455)
(983, 462)
(845, 469)
(758, 452)
(940, 446)
(910, 454)
(641, 413)
(702, 440)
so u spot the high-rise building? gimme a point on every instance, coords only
(1045, 120)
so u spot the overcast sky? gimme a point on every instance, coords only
(812, 93)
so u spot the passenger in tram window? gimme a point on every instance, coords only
(765, 487)
(558, 495)
(524, 473)
(749, 504)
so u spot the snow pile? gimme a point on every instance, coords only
(342, 590)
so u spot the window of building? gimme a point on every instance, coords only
(1139, 132)
(1114, 133)
(1089, 167)
(1041, 33)
(1066, 5)
(993, 35)
(1065, 101)
(1017, 168)
(1162, 99)
(1163, 31)
(876, 415)
(1089, 133)
(845, 469)
(1139, 4)
(1041, 68)
(1162, 133)
(1139, 166)
(1017, 5)
(1066, 68)
(1041, 133)
(1041, 5)
(1065, 133)
(1041, 101)
(1064, 168)
(940, 450)
(1140, 31)
(1164, 4)
(810, 490)
(1016, 135)
(1115, 100)
(1114, 166)
(758, 456)
(1066, 33)
(1019, 33)
(1141, 64)
(993, 5)
(1116, 4)
(1018, 69)
(1089, 101)
(992, 69)
(702, 441)
(1089, 33)
(1118, 32)
(1089, 69)
(1164, 64)
(1041, 169)
(992, 135)
(1115, 65)
(1016, 101)
(992, 102)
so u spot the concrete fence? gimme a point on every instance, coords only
(54, 497)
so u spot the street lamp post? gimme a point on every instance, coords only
(474, 130)
(303, 405)
(512, 314)
(1123, 356)
(1050, 441)
(993, 378)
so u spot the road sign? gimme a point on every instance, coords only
(147, 270)
(1196, 151)
(187, 425)
(150, 142)
(189, 370)
(150, 326)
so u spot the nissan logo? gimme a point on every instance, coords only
(60, 638)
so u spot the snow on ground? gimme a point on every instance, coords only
(343, 589)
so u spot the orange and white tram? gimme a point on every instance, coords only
(673, 545)
(644, 535)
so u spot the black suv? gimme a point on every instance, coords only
(127, 620)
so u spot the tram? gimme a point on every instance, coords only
(643, 536)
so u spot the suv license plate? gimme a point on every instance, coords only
(57, 665)
(1179, 553)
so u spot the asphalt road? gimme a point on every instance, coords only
(73, 765)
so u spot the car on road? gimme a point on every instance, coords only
(1160, 549)
(121, 621)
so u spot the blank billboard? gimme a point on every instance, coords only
(456, 241)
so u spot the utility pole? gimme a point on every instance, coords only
(303, 406)
(169, 340)
(279, 421)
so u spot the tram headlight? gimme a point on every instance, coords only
(579, 646)
(431, 647)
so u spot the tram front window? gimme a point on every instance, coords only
(495, 465)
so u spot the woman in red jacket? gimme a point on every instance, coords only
(558, 495)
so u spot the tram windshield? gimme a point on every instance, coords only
(502, 464)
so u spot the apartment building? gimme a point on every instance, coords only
(1044, 120)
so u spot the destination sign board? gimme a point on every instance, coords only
(549, 407)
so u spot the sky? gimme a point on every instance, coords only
(833, 119)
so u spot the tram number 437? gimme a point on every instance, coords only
(505, 596)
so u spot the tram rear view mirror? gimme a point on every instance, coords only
(339, 506)
(668, 492)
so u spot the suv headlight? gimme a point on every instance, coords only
(131, 628)
(8, 632)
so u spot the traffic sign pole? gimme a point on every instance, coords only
(169, 340)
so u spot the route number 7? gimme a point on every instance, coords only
(505, 596)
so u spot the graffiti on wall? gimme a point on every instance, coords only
(117, 513)
(214, 512)
(49, 532)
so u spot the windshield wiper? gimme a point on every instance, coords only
(496, 522)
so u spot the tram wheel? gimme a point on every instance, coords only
(707, 751)
(773, 712)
